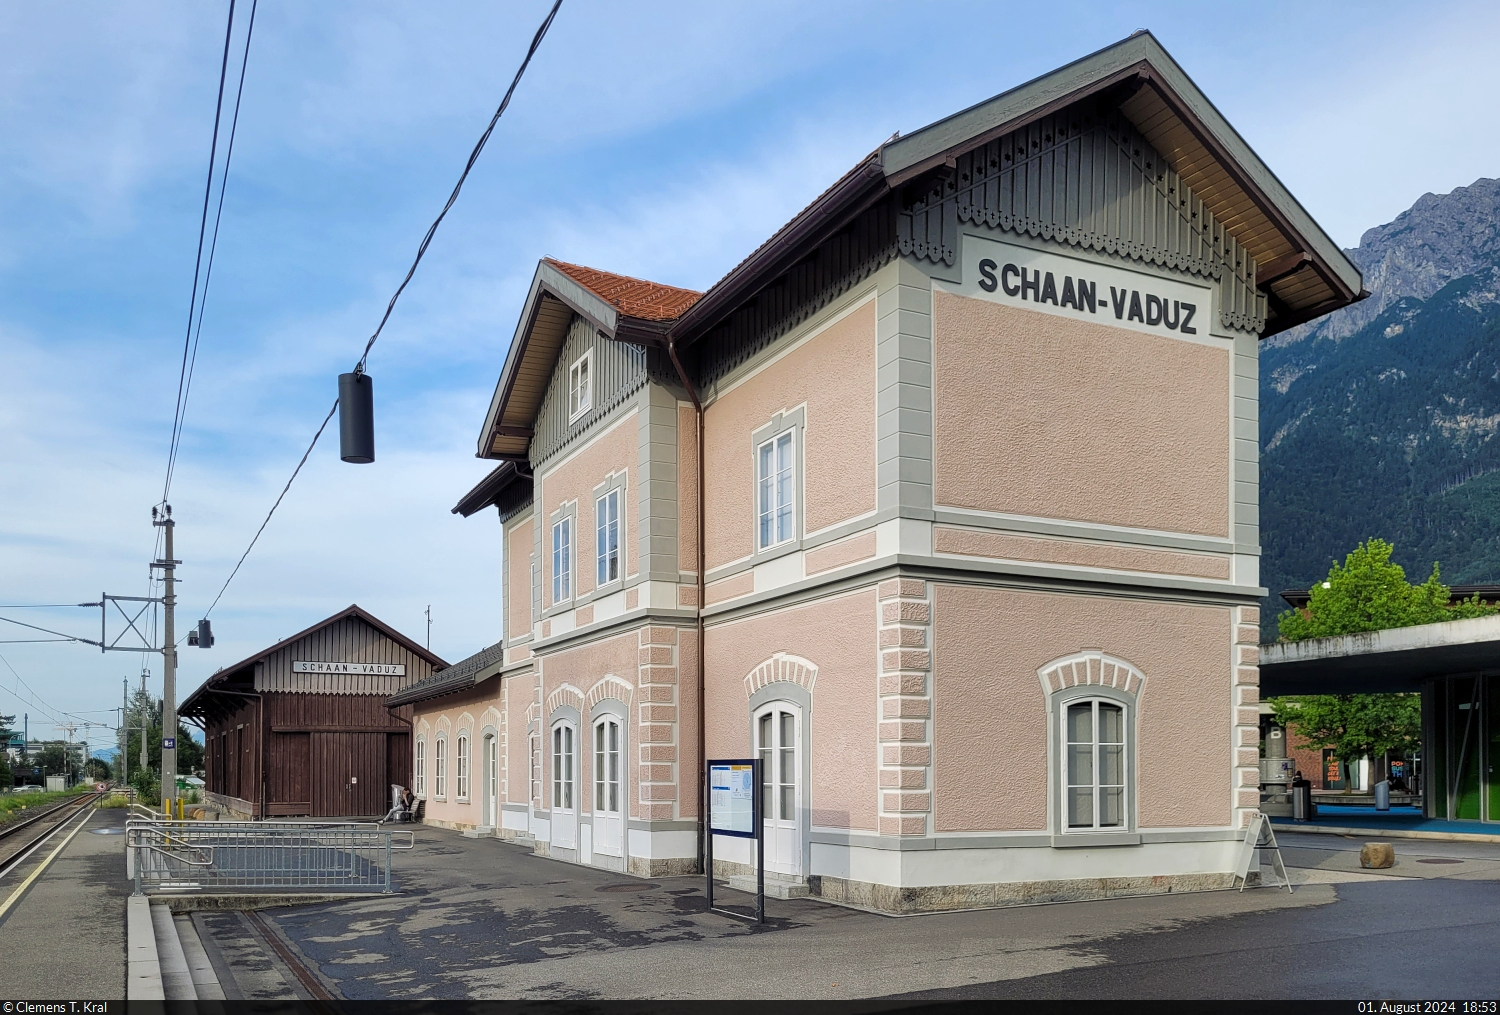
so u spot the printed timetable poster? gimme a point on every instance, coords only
(731, 797)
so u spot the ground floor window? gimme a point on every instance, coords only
(463, 767)
(420, 768)
(1094, 764)
(440, 768)
(562, 767)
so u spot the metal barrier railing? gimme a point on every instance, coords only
(192, 856)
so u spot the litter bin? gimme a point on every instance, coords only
(1303, 808)
(1382, 796)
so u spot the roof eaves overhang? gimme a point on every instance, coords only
(489, 489)
(1374, 662)
(1140, 59)
(855, 191)
(547, 284)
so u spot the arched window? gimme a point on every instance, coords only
(1091, 701)
(1094, 764)
(463, 766)
(440, 769)
(419, 770)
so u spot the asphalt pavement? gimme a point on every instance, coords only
(484, 919)
(65, 938)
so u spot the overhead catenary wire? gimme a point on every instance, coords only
(213, 246)
(213, 151)
(536, 42)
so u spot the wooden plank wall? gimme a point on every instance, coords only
(350, 640)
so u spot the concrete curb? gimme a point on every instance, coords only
(1386, 833)
(143, 967)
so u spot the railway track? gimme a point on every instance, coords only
(15, 846)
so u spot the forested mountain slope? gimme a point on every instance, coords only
(1381, 419)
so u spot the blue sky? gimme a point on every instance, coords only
(664, 140)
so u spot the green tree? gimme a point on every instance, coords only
(7, 778)
(146, 710)
(1369, 593)
(96, 769)
(1353, 726)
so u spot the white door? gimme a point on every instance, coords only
(490, 783)
(778, 738)
(564, 778)
(609, 794)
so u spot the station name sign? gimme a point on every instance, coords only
(374, 669)
(1072, 287)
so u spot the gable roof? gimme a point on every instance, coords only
(623, 308)
(1300, 270)
(353, 611)
(634, 297)
(1297, 263)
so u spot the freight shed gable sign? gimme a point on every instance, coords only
(1085, 290)
(365, 669)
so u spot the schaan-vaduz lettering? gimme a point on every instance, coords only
(1079, 293)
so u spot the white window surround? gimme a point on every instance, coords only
(419, 769)
(612, 489)
(777, 501)
(461, 787)
(562, 556)
(440, 768)
(1093, 764)
(776, 490)
(580, 386)
(1117, 753)
(608, 548)
(564, 744)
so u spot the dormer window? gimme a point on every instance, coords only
(580, 386)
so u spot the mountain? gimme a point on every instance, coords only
(1381, 419)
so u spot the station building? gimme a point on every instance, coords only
(943, 502)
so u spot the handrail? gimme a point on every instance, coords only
(179, 857)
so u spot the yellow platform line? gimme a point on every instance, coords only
(15, 896)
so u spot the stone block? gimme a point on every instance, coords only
(1377, 855)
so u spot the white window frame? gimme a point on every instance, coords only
(580, 386)
(461, 776)
(440, 768)
(562, 560)
(607, 527)
(1096, 752)
(775, 501)
(609, 764)
(419, 769)
(564, 746)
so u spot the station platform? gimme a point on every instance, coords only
(1398, 822)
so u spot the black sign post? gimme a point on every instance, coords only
(726, 813)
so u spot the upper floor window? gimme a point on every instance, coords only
(580, 386)
(607, 520)
(562, 560)
(776, 490)
(1094, 764)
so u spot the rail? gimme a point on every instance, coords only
(164, 856)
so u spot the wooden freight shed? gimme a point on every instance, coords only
(301, 729)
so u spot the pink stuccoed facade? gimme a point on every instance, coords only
(944, 504)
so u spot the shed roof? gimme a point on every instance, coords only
(224, 674)
(465, 673)
(1374, 662)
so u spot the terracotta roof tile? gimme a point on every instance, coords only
(634, 297)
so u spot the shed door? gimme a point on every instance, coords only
(349, 775)
(290, 775)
